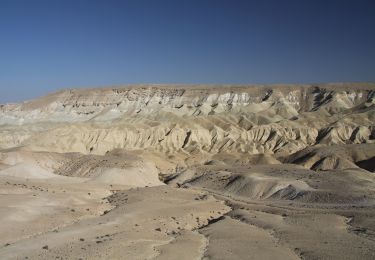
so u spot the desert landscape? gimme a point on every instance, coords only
(190, 172)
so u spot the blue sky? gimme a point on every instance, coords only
(49, 45)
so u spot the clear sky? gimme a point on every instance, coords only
(51, 44)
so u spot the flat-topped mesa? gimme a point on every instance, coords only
(251, 119)
(185, 100)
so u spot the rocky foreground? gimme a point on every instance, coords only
(190, 172)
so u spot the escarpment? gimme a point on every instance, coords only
(199, 119)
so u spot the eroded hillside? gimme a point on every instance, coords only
(202, 119)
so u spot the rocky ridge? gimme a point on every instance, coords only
(274, 119)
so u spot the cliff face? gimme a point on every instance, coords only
(110, 103)
(280, 119)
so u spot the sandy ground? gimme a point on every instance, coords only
(214, 214)
(142, 223)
